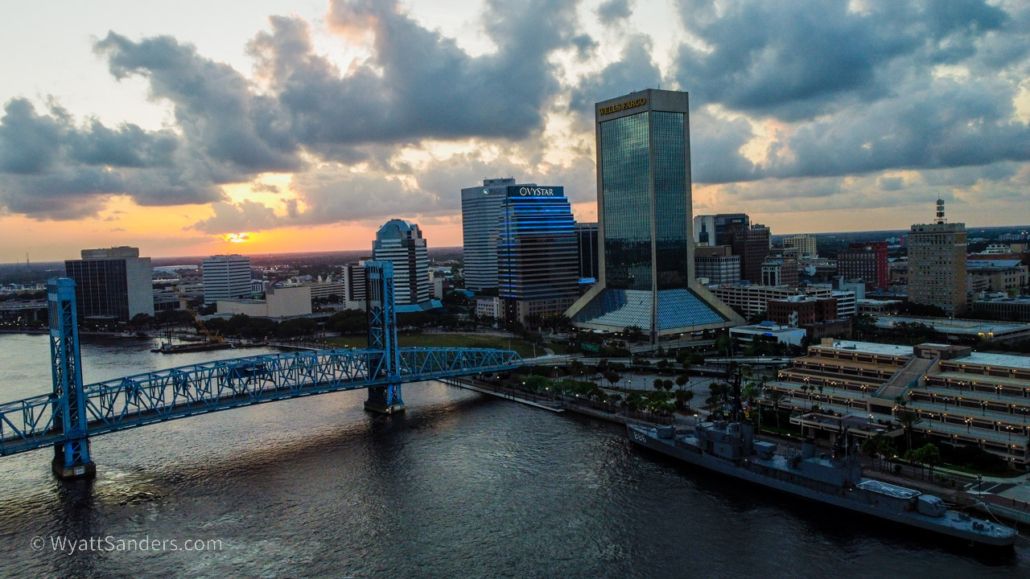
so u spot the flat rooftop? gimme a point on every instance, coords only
(953, 326)
(869, 348)
(999, 360)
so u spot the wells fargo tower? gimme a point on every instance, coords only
(645, 222)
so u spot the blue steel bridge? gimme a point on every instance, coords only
(72, 412)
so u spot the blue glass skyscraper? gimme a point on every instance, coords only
(537, 256)
(644, 218)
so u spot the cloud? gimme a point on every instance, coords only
(635, 70)
(791, 100)
(417, 83)
(218, 110)
(612, 11)
(800, 58)
(51, 168)
(265, 188)
(234, 217)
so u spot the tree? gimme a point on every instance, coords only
(633, 333)
(776, 396)
(577, 368)
(908, 419)
(141, 321)
(683, 398)
(916, 456)
(752, 392)
(667, 385)
(931, 456)
(682, 380)
(658, 383)
(870, 447)
(885, 446)
(612, 377)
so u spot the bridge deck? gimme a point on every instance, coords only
(175, 393)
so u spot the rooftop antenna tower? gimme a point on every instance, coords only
(940, 212)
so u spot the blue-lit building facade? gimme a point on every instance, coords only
(537, 255)
(646, 254)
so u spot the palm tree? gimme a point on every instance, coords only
(776, 396)
(885, 447)
(682, 380)
(908, 419)
(752, 393)
(870, 447)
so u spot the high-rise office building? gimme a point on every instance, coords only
(537, 260)
(586, 245)
(937, 264)
(644, 219)
(226, 277)
(865, 261)
(751, 243)
(114, 283)
(401, 242)
(480, 215)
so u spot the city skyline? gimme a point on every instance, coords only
(299, 132)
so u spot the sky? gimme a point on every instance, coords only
(195, 128)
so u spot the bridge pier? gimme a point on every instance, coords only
(72, 460)
(385, 399)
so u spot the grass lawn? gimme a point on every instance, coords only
(524, 349)
(1007, 473)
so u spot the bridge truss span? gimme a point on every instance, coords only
(162, 395)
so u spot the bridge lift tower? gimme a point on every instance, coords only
(382, 335)
(71, 458)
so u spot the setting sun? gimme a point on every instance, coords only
(237, 237)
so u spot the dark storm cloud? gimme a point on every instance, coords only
(855, 92)
(944, 123)
(215, 106)
(635, 70)
(585, 46)
(612, 11)
(417, 84)
(51, 168)
(796, 59)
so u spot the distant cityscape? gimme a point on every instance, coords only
(648, 275)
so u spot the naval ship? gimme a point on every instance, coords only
(729, 447)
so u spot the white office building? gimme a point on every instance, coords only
(226, 277)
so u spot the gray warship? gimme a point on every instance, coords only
(730, 448)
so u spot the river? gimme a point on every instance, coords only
(460, 486)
